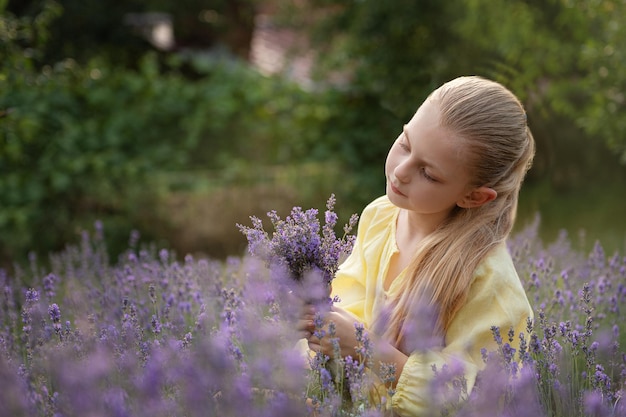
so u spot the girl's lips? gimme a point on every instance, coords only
(395, 190)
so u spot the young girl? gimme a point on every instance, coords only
(438, 235)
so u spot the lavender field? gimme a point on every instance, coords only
(149, 334)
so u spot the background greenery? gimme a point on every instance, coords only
(181, 145)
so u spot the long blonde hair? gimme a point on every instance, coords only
(491, 123)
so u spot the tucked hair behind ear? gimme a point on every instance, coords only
(490, 122)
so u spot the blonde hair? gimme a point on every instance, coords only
(491, 122)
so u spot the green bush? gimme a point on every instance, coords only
(85, 141)
(82, 142)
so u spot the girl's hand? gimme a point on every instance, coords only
(306, 324)
(344, 331)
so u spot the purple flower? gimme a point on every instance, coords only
(327, 380)
(164, 255)
(535, 345)
(155, 324)
(205, 337)
(508, 353)
(299, 243)
(55, 313)
(32, 295)
(496, 335)
(553, 369)
(600, 379)
(594, 405)
(318, 323)
(49, 284)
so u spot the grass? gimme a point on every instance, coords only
(201, 209)
(587, 213)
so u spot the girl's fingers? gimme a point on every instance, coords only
(306, 325)
(312, 407)
(314, 346)
(308, 309)
(317, 347)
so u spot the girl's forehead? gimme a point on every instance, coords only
(436, 143)
(428, 113)
(432, 102)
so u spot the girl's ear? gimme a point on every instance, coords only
(477, 197)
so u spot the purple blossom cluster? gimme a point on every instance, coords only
(147, 336)
(300, 243)
(152, 335)
(571, 361)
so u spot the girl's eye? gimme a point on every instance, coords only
(403, 145)
(425, 175)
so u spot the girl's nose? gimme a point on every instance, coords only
(403, 171)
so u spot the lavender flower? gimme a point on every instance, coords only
(300, 243)
(49, 285)
(595, 406)
(55, 316)
(32, 296)
(209, 337)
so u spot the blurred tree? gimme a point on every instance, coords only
(75, 142)
(95, 141)
(562, 57)
(89, 29)
(387, 56)
(602, 56)
(225, 24)
(397, 51)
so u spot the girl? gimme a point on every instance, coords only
(438, 235)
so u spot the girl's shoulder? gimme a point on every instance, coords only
(380, 206)
(498, 268)
(381, 210)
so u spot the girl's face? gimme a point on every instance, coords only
(426, 167)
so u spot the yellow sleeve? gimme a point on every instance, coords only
(349, 281)
(357, 280)
(496, 298)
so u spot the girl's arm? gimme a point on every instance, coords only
(383, 351)
(496, 298)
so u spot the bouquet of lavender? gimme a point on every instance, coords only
(300, 244)
(308, 252)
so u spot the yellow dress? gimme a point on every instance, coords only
(496, 298)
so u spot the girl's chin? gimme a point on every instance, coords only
(395, 199)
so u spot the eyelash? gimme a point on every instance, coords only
(425, 175)
(423, 172)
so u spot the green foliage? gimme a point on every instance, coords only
(357, 139)
(93, 136)
(562, 57)
(224, 24)
(390, 50)
(391, 54)
(86, 29)
(89, 29)
(80, 142)
(72, 142)
(604, 57)
(22, 40)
